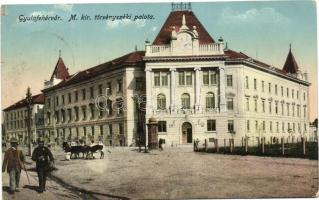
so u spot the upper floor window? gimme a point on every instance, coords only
(63, 100)
(83, 94)
(230, 104)
(282, 91)
(161, 102)
(255, 84)
(263, 105)
(69, 97)
(210, 100)
(160, 79)
(157, 81)
(292, 93)
(287, 92)
(247, 104)
(229, 80)
(270, 107)
(92, 92)
(100, 89)
(139, 84)
(185, 101)
(276, 89)
(189, 78)
(269, 87)
(248, 125)
(246, 82)
(304, 96)
(209, 77)
(276, 107)
(297, 94)
(230, 125)
(109, 88)
(263, 86)
(57, 100)
(255, 105)
(119, 85)
(76, 96)
(164, 78)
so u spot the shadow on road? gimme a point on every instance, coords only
(32, 187)
(86, 194)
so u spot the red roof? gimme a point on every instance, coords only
(60, 71)
(36, 99)
(175, 19)
(131, 59)
(290, 65)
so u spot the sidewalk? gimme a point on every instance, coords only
(29, 191)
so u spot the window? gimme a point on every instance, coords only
(69, 97)
(304, 111)
(293, 109)
(255, 105)
(276, 107)
(248, 125)
(109, 87)
(156, 79)
(277, 127)
(287, 109)
(162, 126)
(92, 130)
(282, 108)
(185, 101)
(270, 126)
(211, 125)
(270, 109)
(230, 104)
(101, 113)
(83, 94)
(188, 78)
(230, 124)
(229, 80)
(205, 77)
(287, 92)
(263, 105)
(255, 84)
(121, 129)
(119, 105)
(269, 87)
(101, 130)
(100, 89)
(70, 114)
(263, 86)
(76, 96)
(49, 102)
(91, 92)
(181, 78)
(304, 96)
(264, 125)
(164, 78)
(276, 90)
(92, 111)
(213, 77)
(292, 93)
(84, 112)
(247, 104)
(76, 110)
(63, 115)
(246, 82)
(161, 102)
(283, 127)
(119, 85)
(139, 84)
(282, 91)
(210, 100)
(298, 110)
(110, 129)
(109, 107)
(297, 94)
(56, 102)
(63, 100)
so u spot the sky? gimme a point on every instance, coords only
(263, 30)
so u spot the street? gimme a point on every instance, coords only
(175, 173)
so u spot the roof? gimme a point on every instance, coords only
(131, 59)
(60, 70)
(290, 65)
(36, 99)
(175, 19)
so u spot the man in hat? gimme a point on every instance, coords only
(13, 161)
(43, 157)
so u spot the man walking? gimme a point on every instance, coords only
(42, 156)
(13, 161)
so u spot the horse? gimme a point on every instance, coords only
(93, 149)
(76, 150)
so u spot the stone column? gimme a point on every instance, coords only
(222, 88)
(173, 88)
(148, 91)
(197, 89)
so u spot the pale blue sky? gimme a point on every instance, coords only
(259, 29)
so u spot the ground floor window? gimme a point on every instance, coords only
(162, 126)
(230, 126)
(211, 125)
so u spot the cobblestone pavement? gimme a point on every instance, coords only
(179, 173)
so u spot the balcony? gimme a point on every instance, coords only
(200, 50)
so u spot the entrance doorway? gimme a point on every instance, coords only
(187, 135)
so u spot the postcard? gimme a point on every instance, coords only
(166, 100)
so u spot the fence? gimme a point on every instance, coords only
(281, 148)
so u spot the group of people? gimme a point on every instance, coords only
(14, 160)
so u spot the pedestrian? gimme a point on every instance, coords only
(160, 143)
(13, 161)
(43, 157)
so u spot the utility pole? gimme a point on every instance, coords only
(29, 102)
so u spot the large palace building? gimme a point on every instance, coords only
(195, 87)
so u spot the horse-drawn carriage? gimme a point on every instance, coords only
(87, 151)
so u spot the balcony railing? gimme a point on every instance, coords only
(168, 50)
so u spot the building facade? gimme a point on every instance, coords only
(196, 88)
(16, 116)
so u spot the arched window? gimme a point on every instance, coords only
(186, 101)
(161, 102)
(210, 100)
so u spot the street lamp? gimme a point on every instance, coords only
(29, 102)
